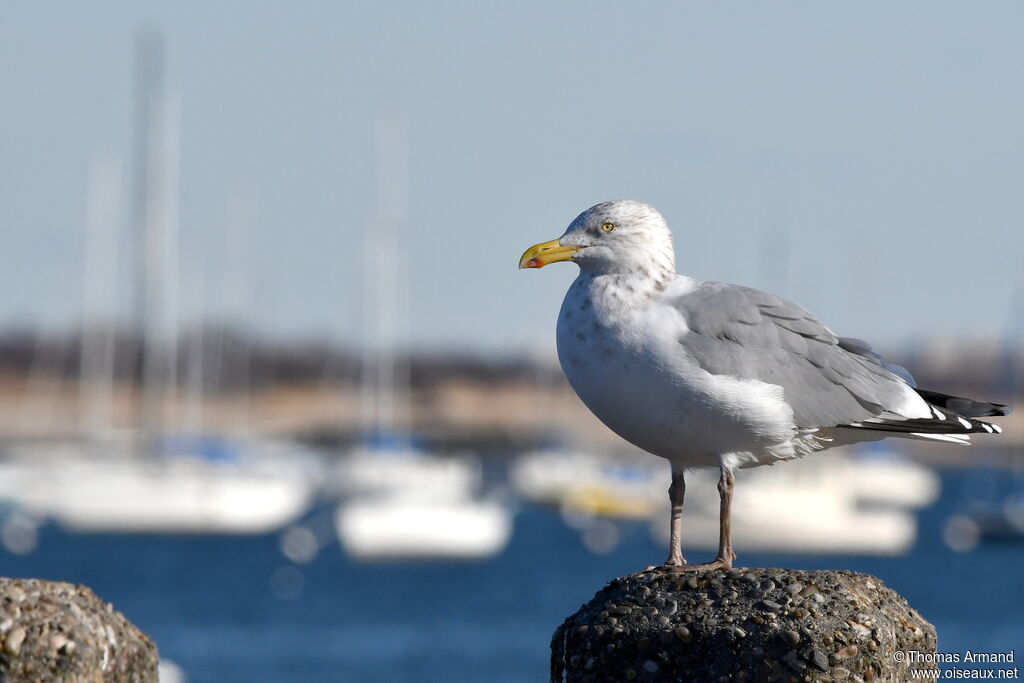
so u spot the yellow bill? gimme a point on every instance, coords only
(540, 255)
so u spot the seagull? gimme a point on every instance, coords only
(709, 374)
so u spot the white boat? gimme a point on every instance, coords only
(369, 470)
(417, 527)
(179, 494)
(406, 504)
(590, 484)
(183, 497)
(887, 481)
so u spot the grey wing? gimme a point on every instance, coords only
(749, 334)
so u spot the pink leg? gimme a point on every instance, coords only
(676, 492)
(726, 483)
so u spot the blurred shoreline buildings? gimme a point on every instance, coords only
(312, 390)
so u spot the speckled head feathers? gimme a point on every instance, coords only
(622, 236)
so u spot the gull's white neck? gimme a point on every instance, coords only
(632, 287)
(614, 300)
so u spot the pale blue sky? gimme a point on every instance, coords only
(883, 142)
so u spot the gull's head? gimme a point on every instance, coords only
(621, 236)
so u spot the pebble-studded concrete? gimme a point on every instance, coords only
(740, 625)
(55, 631)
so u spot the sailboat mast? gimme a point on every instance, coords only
(385, 382)
(240, 218)
(194, 390)
(155, 220)
(167, 307)
(96, 378)
(148, 89)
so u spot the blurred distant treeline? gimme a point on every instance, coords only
(231, 360)
(223, 378)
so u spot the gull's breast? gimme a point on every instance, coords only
(629, 370)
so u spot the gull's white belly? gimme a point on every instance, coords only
(637, 380)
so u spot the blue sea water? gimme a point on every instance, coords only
(209, 603)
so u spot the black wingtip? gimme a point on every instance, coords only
(1000, 410)
(967, 407)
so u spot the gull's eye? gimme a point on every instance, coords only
(607, 227)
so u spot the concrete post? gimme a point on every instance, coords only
(741, 625)
(54, 631)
